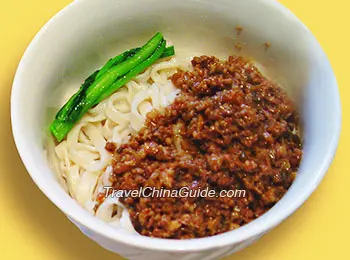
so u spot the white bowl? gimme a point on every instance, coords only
(86, 33)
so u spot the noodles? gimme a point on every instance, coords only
(81, 161)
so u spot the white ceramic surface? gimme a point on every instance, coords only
(87, 32)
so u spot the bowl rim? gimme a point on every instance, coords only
(79, 216)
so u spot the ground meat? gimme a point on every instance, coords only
(230, 128)
(110, 147)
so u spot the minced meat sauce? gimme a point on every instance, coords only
(230, 128)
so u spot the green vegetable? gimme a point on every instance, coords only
(67, 108)
(169, 51)
(102, 83)
(117, 60)
(134, 72)
(75, 99)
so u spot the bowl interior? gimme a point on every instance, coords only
(74, 44)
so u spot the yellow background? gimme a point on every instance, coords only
(32, 228)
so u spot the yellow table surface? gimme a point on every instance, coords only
(33, 228)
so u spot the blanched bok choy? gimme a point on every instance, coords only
(104, 82)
